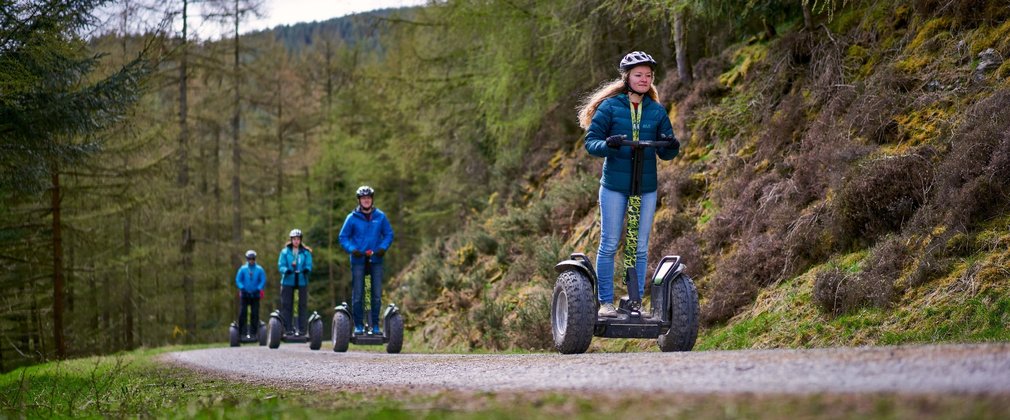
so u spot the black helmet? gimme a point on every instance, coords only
(636, 58)
(365, 191)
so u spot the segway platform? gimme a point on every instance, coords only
(343, 330)
(276, 333)
(364, 339)
(295, 338)
(235, 339)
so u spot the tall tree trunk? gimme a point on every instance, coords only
(680, 44)
(329, 77)
(61, 345)
(216, 179)
(93, 300)
(183, 152)
(187, 245)
(128, 287)
(308, 191)
(189, 305)
(329, 243)
(236, 193)
(808, 20)
(279, 161)
(69, 283)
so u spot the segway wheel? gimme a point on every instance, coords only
(573, 313)
(341, 332)
(233, 336)
(261, 335)
(274, 332)
(684, 317)
(394, 327)
(316, 334)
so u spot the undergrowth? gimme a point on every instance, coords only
(875, 135)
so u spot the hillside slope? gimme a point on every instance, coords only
(844, 185)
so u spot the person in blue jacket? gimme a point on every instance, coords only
(627, 107)
(295, 266)
(366, 235)
(250, 279)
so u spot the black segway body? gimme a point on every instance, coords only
(276, 333)
(343, 330)
(673, 320)
(235, 339)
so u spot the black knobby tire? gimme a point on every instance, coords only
(274, 332)
(684, 316)
(394, 327)
(573, 313)
(233, 336)
(316, 334)
(261, 335)
(341, 332)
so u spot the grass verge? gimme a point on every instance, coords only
(136, 385)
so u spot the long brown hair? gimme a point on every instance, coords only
(607, 90)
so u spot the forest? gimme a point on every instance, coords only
(856, 150)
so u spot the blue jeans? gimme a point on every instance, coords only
(613, 206)
(358, 289)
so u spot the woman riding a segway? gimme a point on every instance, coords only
(626, 109)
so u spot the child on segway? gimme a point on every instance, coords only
(250, 279)
(295, 266)
(366, 235)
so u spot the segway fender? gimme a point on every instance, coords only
(342, 307)
(315, 316)
(668, 269)
(277, 314)
(390, 310)
(572, 265)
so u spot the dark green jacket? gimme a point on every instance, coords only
(613, 117)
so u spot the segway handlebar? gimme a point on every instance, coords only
(643, 144)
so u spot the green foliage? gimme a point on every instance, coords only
(52, 111)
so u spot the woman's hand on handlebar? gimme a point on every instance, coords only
(614, 142)
(671, 139)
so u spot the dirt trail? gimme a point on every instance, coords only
(974, 369)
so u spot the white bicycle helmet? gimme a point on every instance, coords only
(636, 58)
(365, 191)
(250, 255)
(295, 232)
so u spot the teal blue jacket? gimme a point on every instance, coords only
(613, 117)
(304, 266)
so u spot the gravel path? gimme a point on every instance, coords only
(972, 369)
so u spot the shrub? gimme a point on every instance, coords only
(828, 291)
(737, 279)
(839, 291)
(970, 184)
(489, 318)
(882, 195)
(531, 329)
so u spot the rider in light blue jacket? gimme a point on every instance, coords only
(250, 279)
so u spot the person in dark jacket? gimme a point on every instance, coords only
(250, 279)
(627, 107)
(295, 266)
(366, 235)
